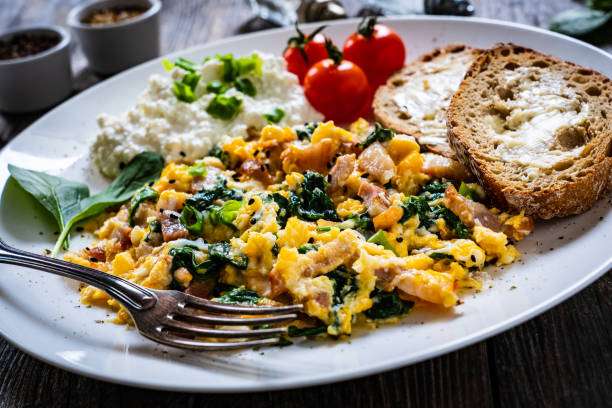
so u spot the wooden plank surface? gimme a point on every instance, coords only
(561, 358)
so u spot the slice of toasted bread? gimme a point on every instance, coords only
(415, 99)
(535, 130)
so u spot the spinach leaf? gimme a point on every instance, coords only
(240, 296)
(154, 227)
(192, 219)
(69, 202)
(580, 22)
(362, 222)
(221, 155)
(144, 194)
(205, 197)
(305, 131)
(434, 191)
(282, 215)
(312, 203)
(344, 284)
(600, 4)
(379, 134)
(184, 257)
(441, 255)
(294, 331)
(387, 304)
(221, 253)
(59, 196)
(418, 205)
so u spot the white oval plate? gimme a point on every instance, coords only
(41, 314)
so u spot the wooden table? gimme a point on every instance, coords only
(561, 358)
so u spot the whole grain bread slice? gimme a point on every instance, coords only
(415, 99)
(535, 130)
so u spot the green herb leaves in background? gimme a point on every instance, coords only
(69, 202)
(591, 25)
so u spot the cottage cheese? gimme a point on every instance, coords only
(184, 132)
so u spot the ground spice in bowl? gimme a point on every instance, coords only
(113, 15)
(25, 45)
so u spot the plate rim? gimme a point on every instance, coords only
(348, 374)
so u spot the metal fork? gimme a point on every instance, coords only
(169, 316)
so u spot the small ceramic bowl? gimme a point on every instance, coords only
(39, 81)
(113, 47)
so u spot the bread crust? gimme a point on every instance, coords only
(390, 115)
(575, 189)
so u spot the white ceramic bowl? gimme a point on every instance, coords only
(38, 81)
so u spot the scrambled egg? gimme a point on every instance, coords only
(345, 222)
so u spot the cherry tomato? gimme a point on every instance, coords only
(303, 51)
(377, 49)
(337, 88)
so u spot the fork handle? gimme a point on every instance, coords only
(127, 293)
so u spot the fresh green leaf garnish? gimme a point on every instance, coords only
(441, 255)
(69, 202)
(305, 131)
(381, 239)
(219, 254)
(204, 198)
(220, 154)
(379, 134)
(274, 117)
(222, 252)
(387, 304)
(580, 22)
(216, 87)
(245, 86)
(294, 331)
(238, 296)
(192, 219)
(223, 107)
(197, 170)
(418, 205)
(144, 194)
(227, 213)
(59, 196)
(311, 203)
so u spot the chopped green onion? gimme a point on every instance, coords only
(192, 219)
(466, 191)
(249, 64)
(216, 87)
(197, 170)
(274, 117)
(222, 107)
(185, 64)
(245, 86)
(167, 65)
(185, 90)
(227, 213)
(381, 239)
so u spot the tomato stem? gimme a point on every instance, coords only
(300, 40)
(366, 27)
(332, 51)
